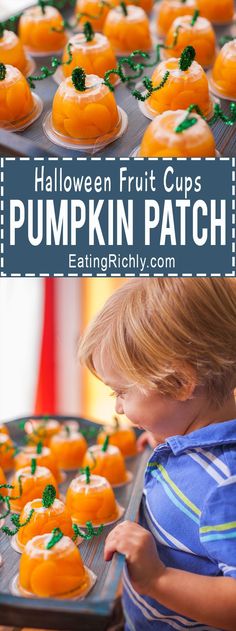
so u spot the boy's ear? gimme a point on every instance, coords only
(188, 381)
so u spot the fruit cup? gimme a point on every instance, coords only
(122, 437)
(42, 430)
(95, 11)
(107, 460)
(90, 50)
(127, 28)
(41, 30)
(68, 449)
(91, 498)
(43, 457)
(169, 10)
(28, 484)
(223, 77)
(217, 11)
(6, 452)
(13, 54)
(198, 33)
(18, 106)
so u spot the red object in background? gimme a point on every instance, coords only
(45, 402)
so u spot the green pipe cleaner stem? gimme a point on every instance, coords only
(187, 121)
(88, 32)
(39, 448)
(149, 87)
(219, 115)
(49, 496)
(3, 72)
(105, 444)
(124, 8)
(33, 465)
(91, 532)
(91, 432)
(195, 17)
(57, 535)
(78, 79)
(187, 57)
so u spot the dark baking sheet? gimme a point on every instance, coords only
(95, 611)
(225, 136)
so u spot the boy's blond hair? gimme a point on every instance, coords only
(160, 332)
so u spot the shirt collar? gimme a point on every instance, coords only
(212, 435)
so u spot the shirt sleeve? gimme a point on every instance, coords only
(218, 526)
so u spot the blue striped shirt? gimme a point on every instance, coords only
(189, 505)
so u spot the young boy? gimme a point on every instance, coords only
(167, 348)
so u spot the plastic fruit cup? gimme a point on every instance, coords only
(54, 572)
(182, 88)
(43, 520)
(42, 430)
(12, 52)
(18, 107)
(224, 71)
(161, 140)
(124, 438)
(171, 9)
(36, 30)
(201, 36)
(6, 453)
(95, 56)
(44, 459)
(33, 485)
(217, 11)
(93, 502)
(68, 449)
(96, 13)
(110, 463)
(128, 32)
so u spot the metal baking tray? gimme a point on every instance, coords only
(96, 610)
(33, 142)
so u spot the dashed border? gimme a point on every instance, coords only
(117, 275)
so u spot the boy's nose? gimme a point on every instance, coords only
(119, 407)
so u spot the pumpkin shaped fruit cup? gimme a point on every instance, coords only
(68, 449)
(107, 460)
(168, 135)
(41, 30)
(223, 76)
(43, 457)
(176, 84)
(92, 51)
(28, 484)
(84, 114)
(6, 450)
(95, 11)
(90, 498)
(195, 31)
(18, 106)
(217, 11)
(42, 430)
(12, 52)
(41, 516)
(122, 437)
(169, 10)
(127, 28)
(51, 567)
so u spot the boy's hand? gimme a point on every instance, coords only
(138, 546)
(146, 438)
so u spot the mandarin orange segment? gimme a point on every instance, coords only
(217, 11)
(181, 89)
(16, 100)
(32, 484)
(124, 439)
(95, 57)
(128, 32)
(43, 520)
(93, 502)
(68, 449)
(88, 114)
(160, 138)
(169, 10)
(201, 36)
(6, 452)
(36, 29)
(12, 52)
(44, 459)
(51, 572)
(109, 464)
(224, 70)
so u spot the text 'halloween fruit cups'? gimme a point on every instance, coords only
(41, 516)
(13, 53)
(107, 460)
(41, 30)
(127, 28)
(178, 134)
(42, 430)
(84, 114)
(6, 451)
(89, 50)
(18, 106)
(28, 484)
(122, 437)
(193, 31)
(217, 11)
(223, 76)
(51, 567)
(90, 498)
(43, 457)
(68, 448)
(176, 84)
(95, 11)
(169, 10)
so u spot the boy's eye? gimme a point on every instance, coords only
(116, 394)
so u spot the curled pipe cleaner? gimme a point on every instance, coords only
(3, 72)
(15, 519)
(219, 115)
(149, 87)
(91, 532)
(48, 72)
